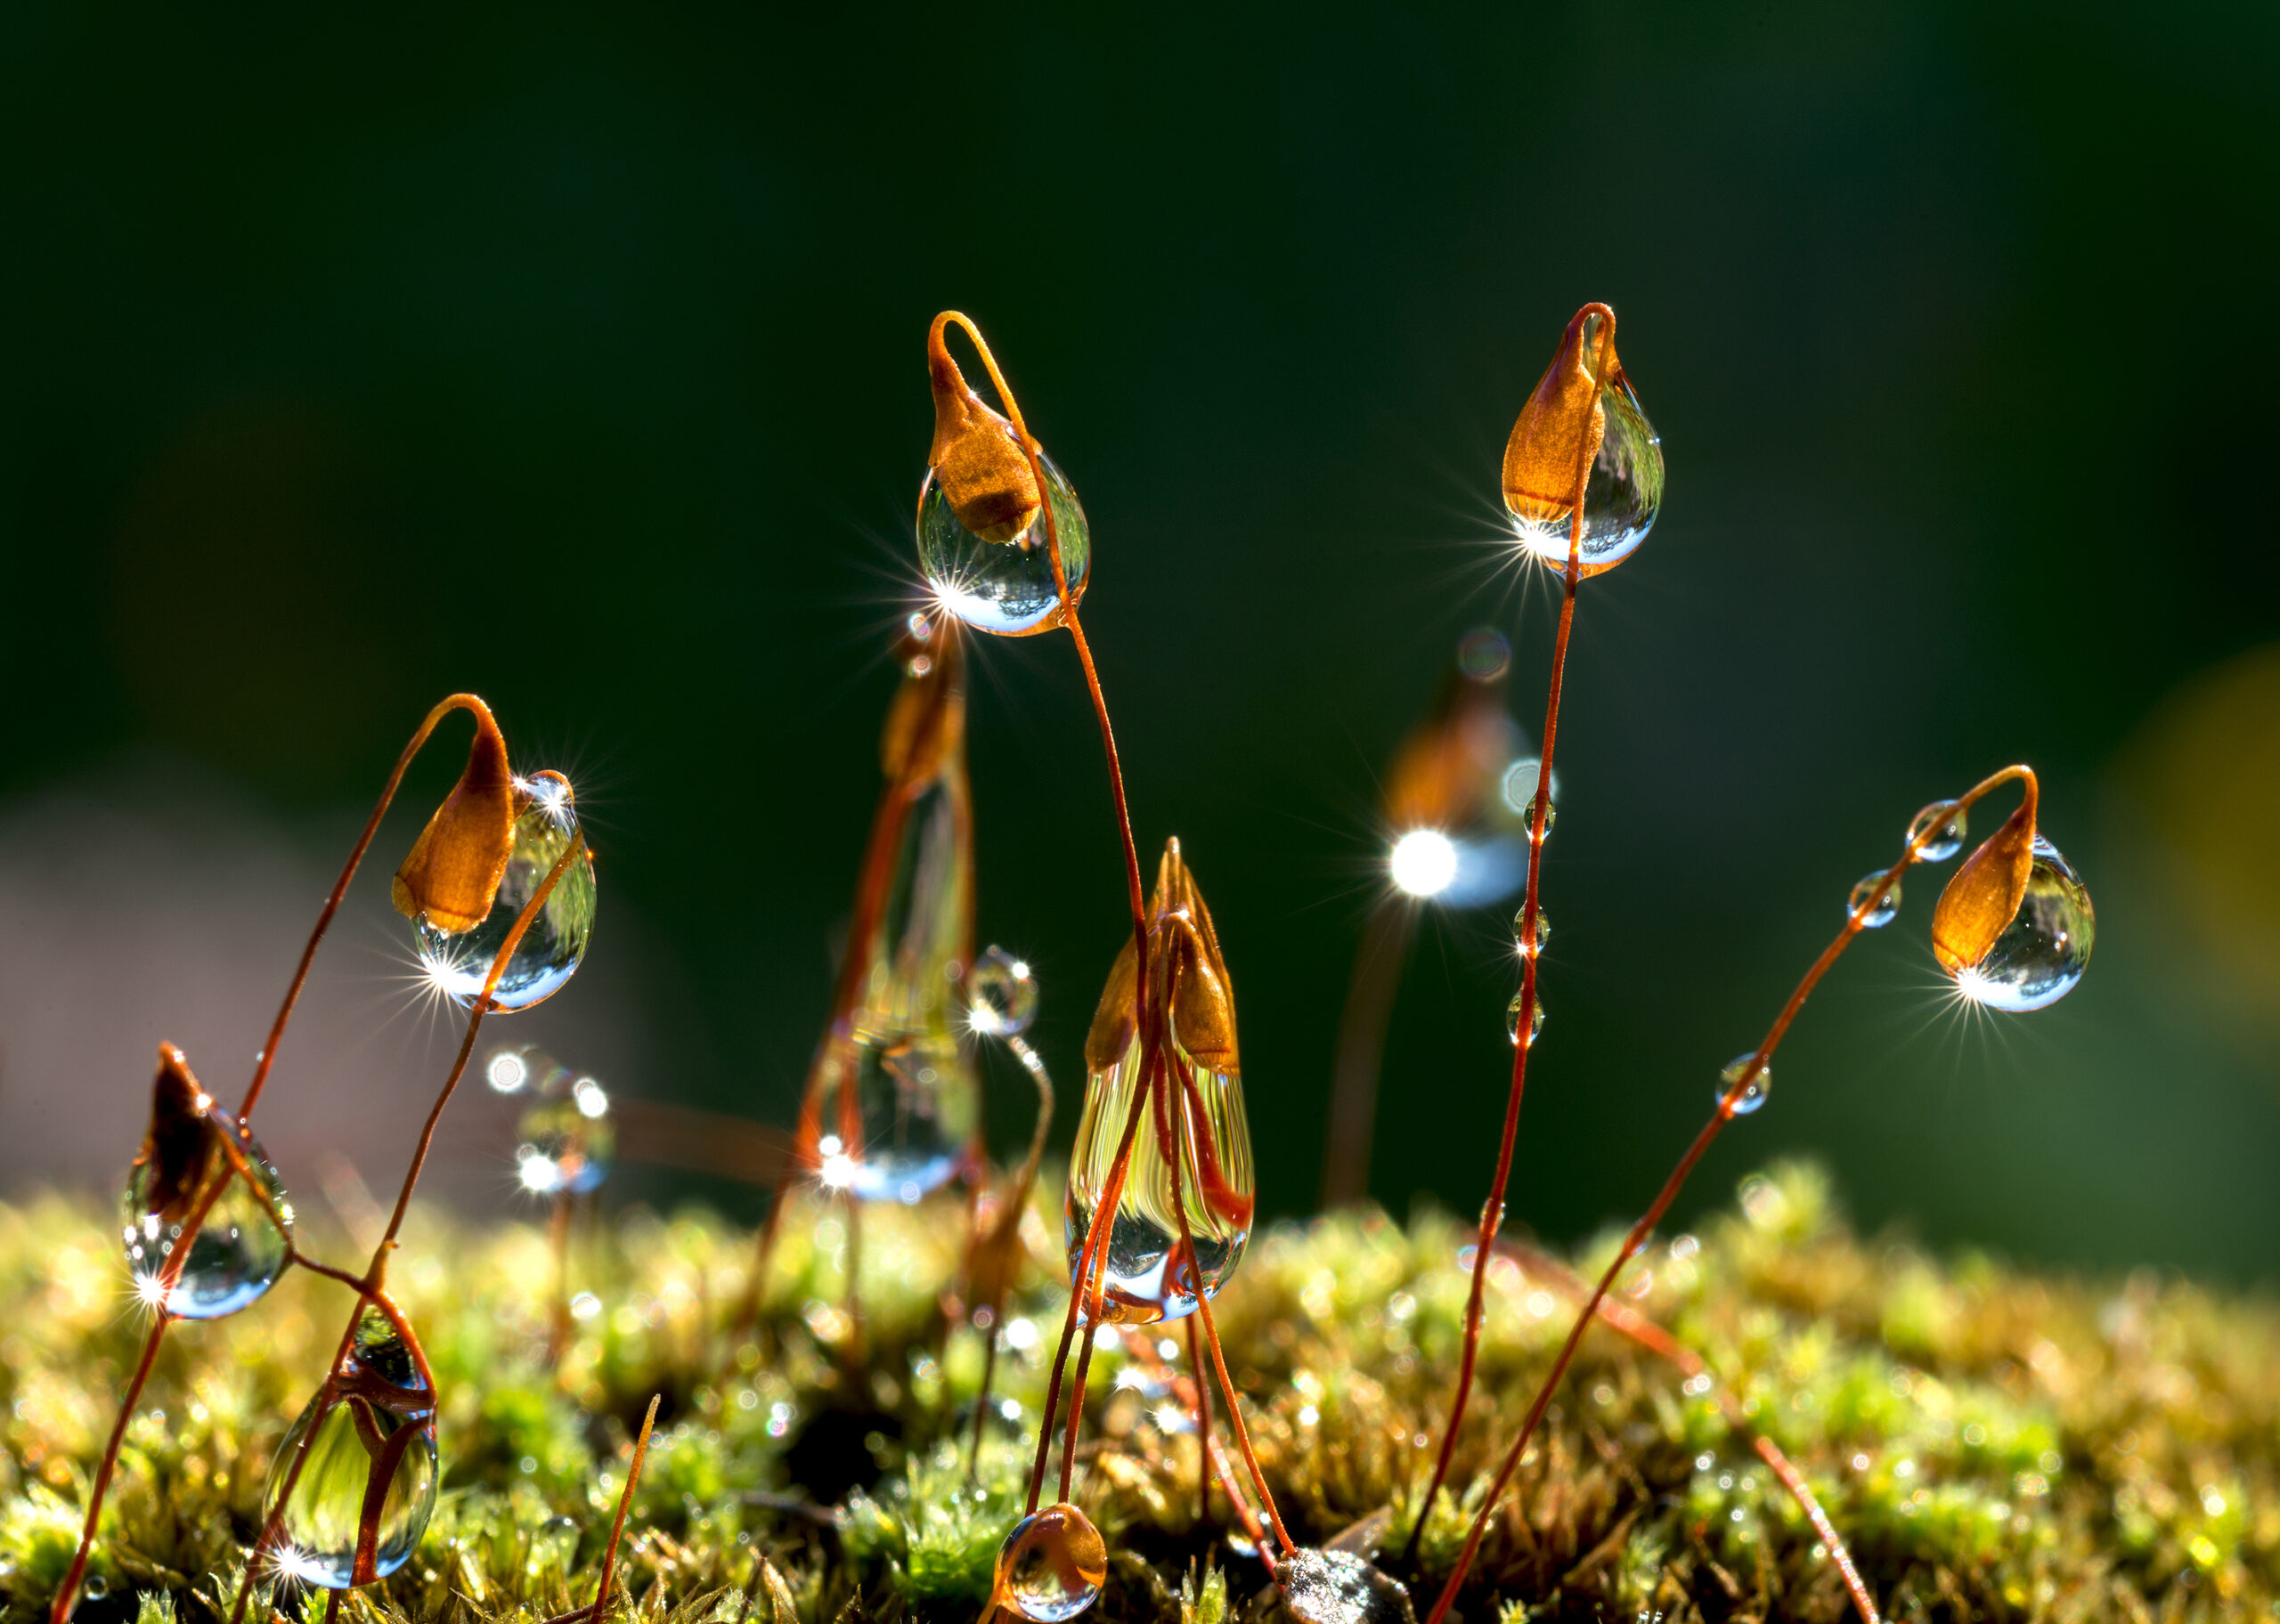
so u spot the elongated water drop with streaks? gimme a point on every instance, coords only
(1872, 910)
(554, 943)
(1512, 1019)
(2042, 952)
(200, 1167)
(362, 1463)
(1191, 1159)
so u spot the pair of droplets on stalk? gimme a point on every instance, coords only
(1004, 543)
(500, 892)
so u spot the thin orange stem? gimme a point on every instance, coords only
(624, 1501)
(1743, 1081)
(69, 1592)
(1491, 1210)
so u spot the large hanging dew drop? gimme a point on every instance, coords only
(1051, 1566)
(1624, 492)
(1941, 827)
(1339, 1588)
(1512, 1017)
(568, 1138)
(1001, 994)
(198, 1165)
(365, 1484)
(551, 949)
(1873, 911)
(1189, 1177)
(1003, 586)
(2044, 950)
(1752, 1097)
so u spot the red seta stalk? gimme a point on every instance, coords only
(1745, 1079)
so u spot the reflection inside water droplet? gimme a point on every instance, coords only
(1003, 586)
(1621, 499)
(1001, 994)
(1752, 1097)
(365, 1485)
(1512, 1020)
(186, 1171)
(2044, 950)
(1051, 1566)
(1943, 816)
(1339, 1588)
(1527, 942)
(549, 953)
(1876, 916)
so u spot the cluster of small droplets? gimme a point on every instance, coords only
(1530, 943)
(1940, 828)
(1869, 910)
(1760, 1086)
(1001, 994)
(1512, 1019)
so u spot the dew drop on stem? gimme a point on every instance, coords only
(2044, 950)
(1941, 827)
(1876, 915)
(1754, 1096)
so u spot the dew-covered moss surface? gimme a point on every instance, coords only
(1992, 1444)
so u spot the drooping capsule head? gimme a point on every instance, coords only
(2041, 953)
(1982, 896)
(544, 829)
(992, 511)
(1051, 1567)
(198, 1167)
(1581, 434)
(451, 877)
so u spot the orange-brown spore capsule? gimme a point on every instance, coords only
(451, 877)
(1560, 429)
(1984, 897)
(977, 455)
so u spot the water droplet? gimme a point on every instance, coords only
(186, 1170)
(1623, 495)
(372, 1427)
(1885, 909)
(1944, 816)
(554, 1544)
(2044, 950)
(1339, 1588)
(96, 1587)
(1519, 788)
(1051, 1566)
(1760, 1086)
(1149, 1273)
(1484, 654)
(1003, 586)
(549, 953)
(1521, 939)
(568, 1136)
(1512, 1020)
(1001, 994)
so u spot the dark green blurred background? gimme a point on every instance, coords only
(576, 358)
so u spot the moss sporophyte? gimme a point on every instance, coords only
(1367, 1410)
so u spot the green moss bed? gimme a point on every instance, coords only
(1992, 1444)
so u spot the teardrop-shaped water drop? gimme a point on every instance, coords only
(1529, 943)
(568, 1136)
(1149, 1272)
(364, 1486)
(198, 1165)
(2044, 950)
(1003, 586)
(1512, 1020)
(1623, 495)
(1941, 827)
(549, 953)
(1051, 1566)
(1339, 1588)
(1752, 1097)
(1001, 994)
(1873, 911)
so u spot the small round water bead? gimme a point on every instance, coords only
(1512, 1019)
(197, 1162)
(1001, 994)
(551, 949)
(1873, 915)
(1949, 820)
(1339, 1588)
(1521, 940)
(366, 1486)
(2044, 950)
(1003, 586)
(1760, 1086)
(1051, 1566)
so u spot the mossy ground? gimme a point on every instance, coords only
(1993, 1445)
